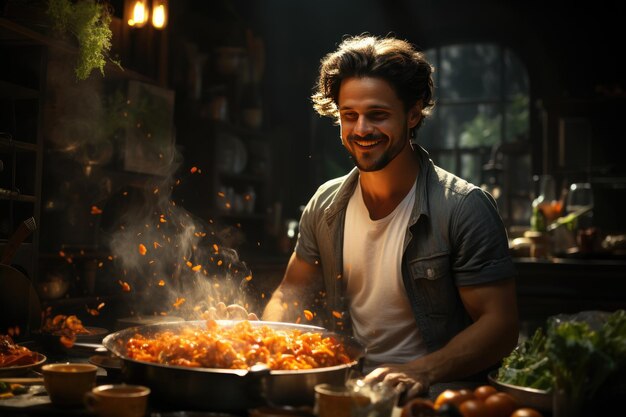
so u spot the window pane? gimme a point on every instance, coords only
(428, 134)
(517, 123)
(471, 168)
(446, 161)
(515, 75)
(470, 125)
(470, 72)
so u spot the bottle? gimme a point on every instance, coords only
(545, 208)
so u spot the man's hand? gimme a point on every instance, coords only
(231, 312)
(407, 381)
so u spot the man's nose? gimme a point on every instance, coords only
(362, 127)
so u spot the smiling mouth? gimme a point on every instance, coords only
(367, 143)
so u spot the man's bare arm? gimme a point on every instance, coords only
(491, 336)
(299, 278)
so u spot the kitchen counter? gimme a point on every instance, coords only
(549, 287)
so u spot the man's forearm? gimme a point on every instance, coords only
(275, 310)
(476, 348)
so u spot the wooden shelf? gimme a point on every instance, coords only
(11, 144)
(242, 216)
(16, 196)
(13, 91)
(16, 34)
(12, 33)
(248, 178)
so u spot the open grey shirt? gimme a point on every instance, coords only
(455, 237)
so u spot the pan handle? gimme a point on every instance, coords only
(257, 385)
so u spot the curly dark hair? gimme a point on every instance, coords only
(397, 61)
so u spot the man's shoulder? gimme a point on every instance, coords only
(449, 183)
(326, 192)
(451, 191)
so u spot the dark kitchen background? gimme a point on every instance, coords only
(177, 180)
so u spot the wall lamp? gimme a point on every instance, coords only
(137, 13)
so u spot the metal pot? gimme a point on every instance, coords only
(228, 390)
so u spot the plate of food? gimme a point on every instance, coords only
(17, 360)
(61, 333)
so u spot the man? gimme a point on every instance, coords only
(413, 259)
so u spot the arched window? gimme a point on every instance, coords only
(479, 129)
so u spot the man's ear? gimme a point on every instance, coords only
(415, 114)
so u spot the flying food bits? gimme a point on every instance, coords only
(194, 170)
(67, 341)
(249, 277)
(196, 268)
(156, 244)
(179, 301)
(142, 249)
(308, 315)
(216, 248)
(162, 218)
(161, 283)
(337, 314)
(125, 286)
(95, 210)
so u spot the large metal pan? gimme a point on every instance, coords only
(228, 390)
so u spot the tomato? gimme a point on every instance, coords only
(484, 391)
(418, 407)
(500, 404)
(473, 408)
(526, 412)
(449, 410)
(455, 397)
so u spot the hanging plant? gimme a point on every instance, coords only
(88, 21)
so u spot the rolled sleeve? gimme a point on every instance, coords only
(481, 250)
(306, 245)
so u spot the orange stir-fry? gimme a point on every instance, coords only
(62, 323)
(15, 355)
(66, 327)
(239, 347)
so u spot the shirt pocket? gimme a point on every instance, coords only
(434, 285)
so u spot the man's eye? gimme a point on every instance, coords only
(349, 116)
(378, 115)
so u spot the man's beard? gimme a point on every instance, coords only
(369, 163)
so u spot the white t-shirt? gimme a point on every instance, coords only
(382, 318)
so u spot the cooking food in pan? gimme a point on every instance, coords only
(226, 390)
(240, 346)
